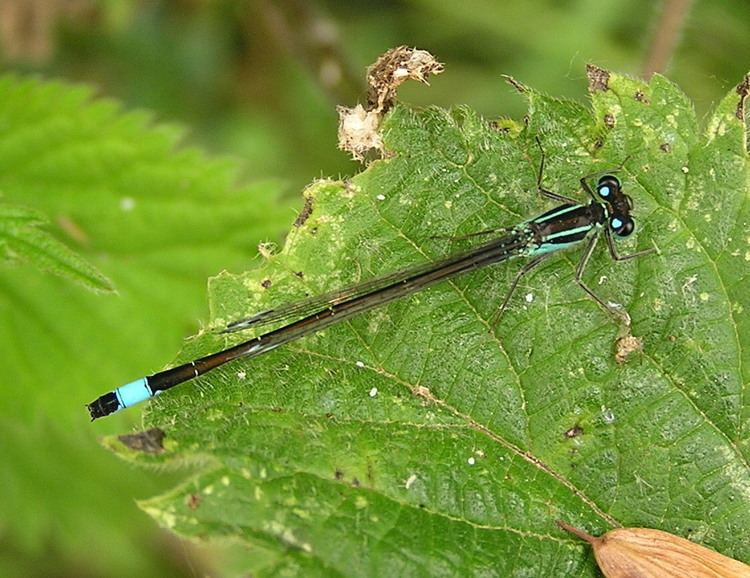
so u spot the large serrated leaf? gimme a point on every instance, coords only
(117, 190)
(114, 191)
(421, 440)
(24, 239)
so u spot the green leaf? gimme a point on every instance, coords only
(156, 219)
(22, 238)
(421, 440)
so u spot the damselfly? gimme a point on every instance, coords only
(568, 225)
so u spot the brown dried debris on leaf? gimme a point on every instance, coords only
(358, 126)
(392, 69)
(743, 89)
(150, 441)
(626, 346)
(598, 78)
(519, 86)
(649, 553)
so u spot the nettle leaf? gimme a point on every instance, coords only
(87, 184)
(421, 440)
(23, 238)
(116, 189)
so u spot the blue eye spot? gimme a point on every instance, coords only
(604, 191)
(616, 223)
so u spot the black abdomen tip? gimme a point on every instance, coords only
(104, 405)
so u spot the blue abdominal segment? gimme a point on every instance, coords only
(133, 392)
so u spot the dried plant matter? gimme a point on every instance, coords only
(358, 126)
(649, 553)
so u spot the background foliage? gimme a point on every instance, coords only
(254, 80)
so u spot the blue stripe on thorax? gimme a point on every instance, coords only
(566, 232)
(545, 248)
(540, 220)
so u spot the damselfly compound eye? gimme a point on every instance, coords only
(607, 187)
(622, 229)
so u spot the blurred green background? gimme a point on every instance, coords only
(257, 82)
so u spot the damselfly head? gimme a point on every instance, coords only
(610, 191)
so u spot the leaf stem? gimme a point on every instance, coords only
(593, 540)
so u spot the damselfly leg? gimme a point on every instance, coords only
(540, 175)
(617, 257)
(525, 269)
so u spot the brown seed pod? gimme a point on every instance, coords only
(648, 553)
